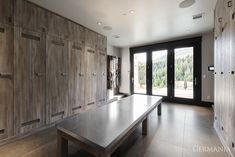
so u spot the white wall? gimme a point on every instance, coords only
(207, 60)
(125, 71)
(113, 51)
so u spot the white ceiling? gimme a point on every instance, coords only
(152, 20)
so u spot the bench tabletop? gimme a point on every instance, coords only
(102, 126)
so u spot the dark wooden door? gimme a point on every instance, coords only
(29, 80)
(6, 81)
(57, 87)
(90, 69)
(101, 90)
(76, 77)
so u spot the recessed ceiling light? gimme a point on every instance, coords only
(116, 36)
(107, 28)
(132, 11)
(99, 23)
(187, 3)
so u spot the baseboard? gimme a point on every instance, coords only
(229, 153)
(21, 136)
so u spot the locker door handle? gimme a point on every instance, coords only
(195, 81)
(39, 74)
(232, 72)
(81, 75)
(93, 74)
(64, 74)
(230, 4)
(6, 75)
(222, 73)
(2, 30)
(92, 103)
(2, 131)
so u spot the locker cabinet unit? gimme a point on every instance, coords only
(76, 77)
(224, 72)
(101, 71)
(50, 68)
(29, 79)
(6, 81)
(57, 87)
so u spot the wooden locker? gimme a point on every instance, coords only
(101, 70)
(90, 69)
(76, 77)
(216, 85)
(30, 16)
(76, 32)
(91, 76)
(57, 25)
(6, 11)
(90, 39)
(57, 87)
(6, 81)
(29, 79)
(232, 86)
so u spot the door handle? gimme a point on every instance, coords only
(195, 81)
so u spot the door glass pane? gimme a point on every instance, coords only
(140, 73)
(184, 72)
(159, 73)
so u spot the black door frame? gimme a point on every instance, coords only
(170, 46)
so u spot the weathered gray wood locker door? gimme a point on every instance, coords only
(91, 69)
(6, 81)
(217, 70)
(57, 25)
(29, 16)
(29, 80)
(232, 86)
(6, 11)
(76, 77)
(101, 70)
(57, 87)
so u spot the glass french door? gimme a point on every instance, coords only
(159, 72)
(140, 77)
(172, 71)
(183, 72)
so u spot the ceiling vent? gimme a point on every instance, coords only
(198, 16)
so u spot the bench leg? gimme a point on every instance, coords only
(145, 127)
(62, 146)
(159, 110)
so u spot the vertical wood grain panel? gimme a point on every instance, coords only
(29, 80)
(76, 77)
(101, 70)
(6, 82)
(57, 87)
(28, 15)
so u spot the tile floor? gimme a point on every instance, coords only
(177, 133)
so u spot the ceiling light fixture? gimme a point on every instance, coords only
(99, 23)
(132, 11)
(187, 3)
